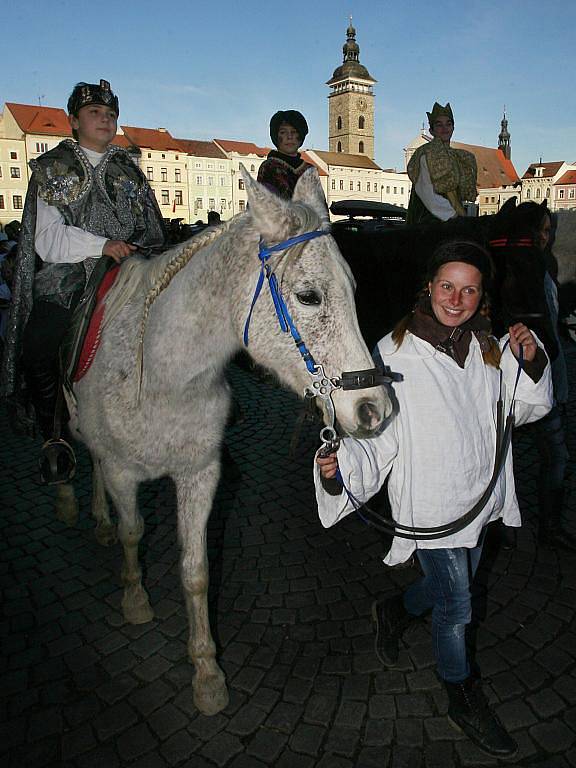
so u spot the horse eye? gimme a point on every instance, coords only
(309, 298)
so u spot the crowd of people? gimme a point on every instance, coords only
(444, 453)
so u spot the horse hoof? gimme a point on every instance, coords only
(136, 608)
(106, 534)
(211, 695)
(66, 508)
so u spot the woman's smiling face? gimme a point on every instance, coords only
(455, 293)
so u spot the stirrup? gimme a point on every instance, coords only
(57, 462)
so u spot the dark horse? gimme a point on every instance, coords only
(389, 266)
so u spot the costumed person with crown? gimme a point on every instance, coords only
(86, 200)
(442, 177)
(284, 165)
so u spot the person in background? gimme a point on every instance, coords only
(438, 453)
(442, 177)
(284, 165)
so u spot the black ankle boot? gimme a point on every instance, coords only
(470, 712)
(57, 462)
(390, 620)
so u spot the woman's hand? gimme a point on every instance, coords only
(521, 335)
(117, 249)
(328, 466)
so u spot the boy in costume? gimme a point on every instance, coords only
(442, 177)
(284, 165)
(86, 200)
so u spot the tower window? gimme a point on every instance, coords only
(339, 146)
(361, 147)
(339, 123)
(361, 122)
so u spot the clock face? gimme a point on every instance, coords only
(362, 104)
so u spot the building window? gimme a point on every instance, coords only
(547, 191)
(212, 204)
(222, 181)
(486, 200)
(527, 194)
(199, 180)
(198, 204)
(492, 199)
(401, 190)
(197, 165)
(367, 186)
(2, 206)
(163, 174)
(163, 156)
(240, 183)
(339, 124)
(165, 197)
(538, 194)
(341, 183)
(571, 194)
(361, 122)
(395, 190)
(178, 197)
(209, 165)
(177, 175)
(352, 186)
(361, 147)
(333, 184)
(14, 172)
(222, 205)
(149, 155)
(210, 181)
(387, 190)
(13, 155)
(252, 168)
(17, 202)
(339, 148)
(560, 195)
(150, 174)
(176, 157)
(41, 146)
(0, 171)
(241, 205)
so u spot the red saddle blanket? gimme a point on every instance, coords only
(92, 338)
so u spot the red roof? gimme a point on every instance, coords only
(550, 169)
(152, 138)
(201, 148)
(568, 178)
(494, 169)
(49, 121)
(242, 147)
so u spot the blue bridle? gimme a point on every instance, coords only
(282, 312)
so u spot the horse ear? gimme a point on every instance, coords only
(271, 214)
(508, 207)
(309, 190)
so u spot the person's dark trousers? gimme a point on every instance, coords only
(43, 335)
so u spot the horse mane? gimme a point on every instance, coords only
(152, 276)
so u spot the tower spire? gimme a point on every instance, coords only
(504, 137)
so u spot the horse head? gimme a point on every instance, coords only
(317, 287)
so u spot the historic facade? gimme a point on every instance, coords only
(351, 103)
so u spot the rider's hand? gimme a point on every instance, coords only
(117, 249)
(521, 335)
(328, 466)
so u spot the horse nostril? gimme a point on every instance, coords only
(369, 415)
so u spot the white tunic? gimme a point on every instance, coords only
(438, 205)
(438, 448)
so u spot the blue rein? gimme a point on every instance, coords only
(284, 317)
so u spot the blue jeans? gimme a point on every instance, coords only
(445, 588)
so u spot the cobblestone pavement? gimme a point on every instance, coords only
(291, 617)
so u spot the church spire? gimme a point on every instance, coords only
(504, 138)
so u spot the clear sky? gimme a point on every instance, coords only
(219, 69)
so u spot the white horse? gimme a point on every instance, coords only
(155, 401)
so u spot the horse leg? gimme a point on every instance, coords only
(195, 496)
(66, 504)
(105, 530)
(123, 487)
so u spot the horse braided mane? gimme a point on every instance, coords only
(153, 276)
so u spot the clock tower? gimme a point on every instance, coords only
(351, 103)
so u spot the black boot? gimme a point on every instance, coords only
(390, 620)
(57, 461)
(469, 711)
